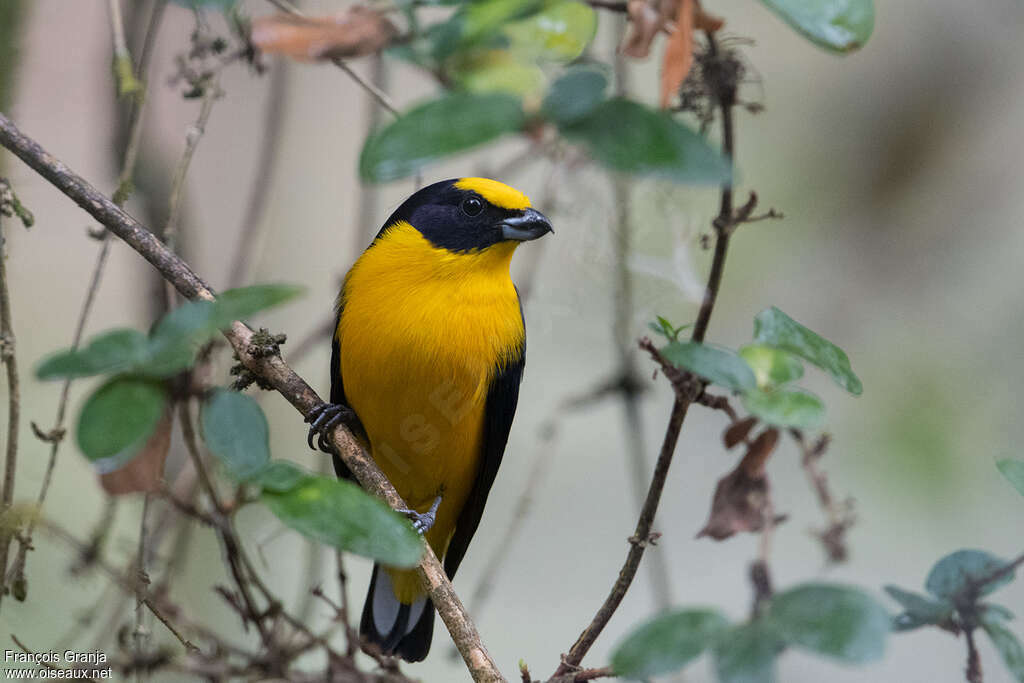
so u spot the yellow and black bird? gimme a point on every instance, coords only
(428, 353)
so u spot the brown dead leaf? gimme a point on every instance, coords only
(759, 451)
(142, 474)
(646, 19)
(355, 32)
(702, 21)
(678, 53)
(738, 431)
(738, 505)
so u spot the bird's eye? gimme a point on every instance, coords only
(472, 206)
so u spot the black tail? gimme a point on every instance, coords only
(410, 643)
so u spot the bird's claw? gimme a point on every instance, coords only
(422, 521)
(322, 420)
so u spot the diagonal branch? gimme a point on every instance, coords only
(272, 368)
(724, 223)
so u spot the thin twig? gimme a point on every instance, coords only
(121, 194)
(192, 138)
(376, 93)
(973, 670)
(141, 634)
(253, 232)
(724, 224)
(7, 345)
(629, 388)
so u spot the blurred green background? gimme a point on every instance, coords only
(897, 169)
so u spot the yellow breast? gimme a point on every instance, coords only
(422, 332)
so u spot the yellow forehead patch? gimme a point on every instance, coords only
(499, 194)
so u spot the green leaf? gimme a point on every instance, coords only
(836, 25)
(235, 430)
(955, 571)
(497, 71)
(667, 642)
(118, 418)
(574, 95)
(1010, 649)
(993, 611)
(280, 476)
(746, 653)
(918, 609)
(772, 367)
(1013, 470)
(221, 5)
(450, 124)
(178, 335)
(717, 365)
(837, 621)
(560, 32)
(786, 407)
(772, 327)
(340, 514)
(476, 23)
(172, 346)
(626, 136)
(112, 351)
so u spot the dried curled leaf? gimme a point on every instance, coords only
(738, 431)
(759, 452)
(678, 56)
(702, 21)
(741, 497)
(356, 32)
(142, 474)
(739, 504)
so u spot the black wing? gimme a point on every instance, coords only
(338, 394)
(502, 397)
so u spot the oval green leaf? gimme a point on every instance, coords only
(113, 351)
(118, 418)
(574, 95)
(497, 71)
(626, 136)
(235, 430)
(918, 609)
(786, 407)
(954, 572)
(772, 367)
(280, 476)
(560, 32)
(746, 653)
(1010, 649)
(836, 25)
(1013, 470)
(450, 124)
(837, 621)
(774, 328)
(667, 643)
(343, 516)
(717, 365)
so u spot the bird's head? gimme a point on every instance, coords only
(471, 215)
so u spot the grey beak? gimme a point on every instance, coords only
(530, 225)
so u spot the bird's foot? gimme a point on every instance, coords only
(322, 421)
(422, 521)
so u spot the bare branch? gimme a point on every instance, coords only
(272, 368)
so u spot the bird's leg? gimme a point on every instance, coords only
(322, 421)
(422, 521)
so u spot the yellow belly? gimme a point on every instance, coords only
(422, 332)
